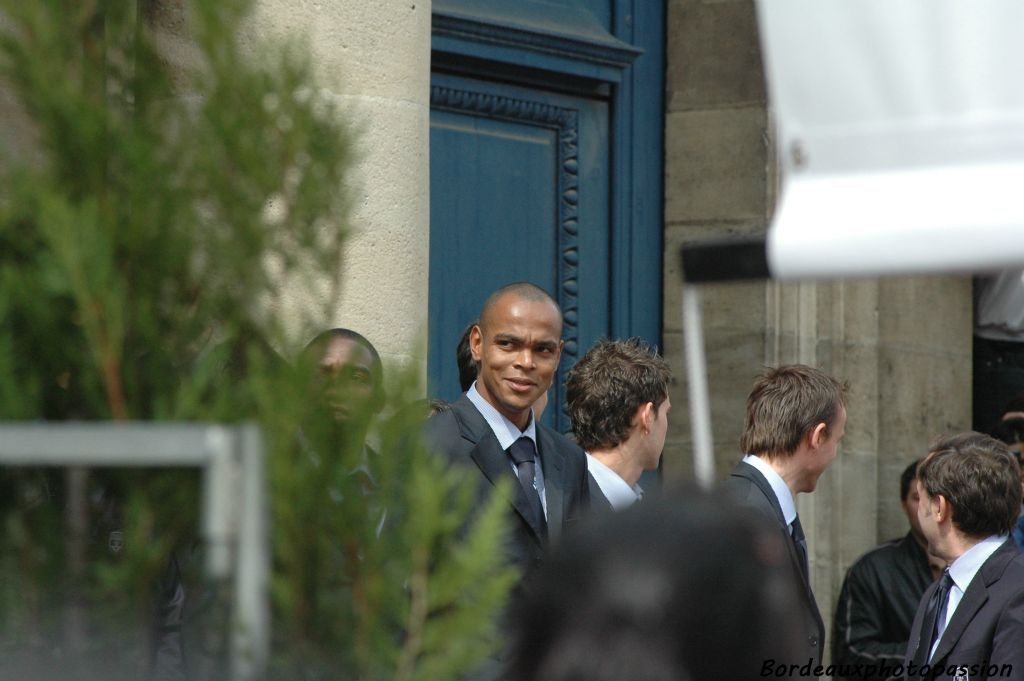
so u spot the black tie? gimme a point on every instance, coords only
(934, 613)
(801, 544)
(524, 455)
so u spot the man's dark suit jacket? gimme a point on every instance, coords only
(747, 486)
(464, 436)
(987, 627)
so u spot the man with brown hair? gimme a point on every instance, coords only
(618, 402)
(796, 416)
(970, 623)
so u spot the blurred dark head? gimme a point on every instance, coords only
(692, 588)
(468, 367)
(1015, 405)
(1011, 432)
(349, 376)
(907, 477)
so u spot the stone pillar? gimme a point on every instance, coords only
(716, 184)
(376, 57)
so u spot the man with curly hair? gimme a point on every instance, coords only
(618, 402)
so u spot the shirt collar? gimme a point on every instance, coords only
(778, 485)
(503, 429)
(620, 494)
(963, 569)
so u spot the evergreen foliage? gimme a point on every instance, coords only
(165, 211)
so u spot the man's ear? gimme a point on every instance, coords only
(476, 342)
(940, 507)
(644, 417)
(818, 435)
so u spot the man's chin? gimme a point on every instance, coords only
(515, 407)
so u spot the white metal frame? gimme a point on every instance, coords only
(233, 522)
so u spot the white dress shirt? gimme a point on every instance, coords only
(619, 493)
(507, 433)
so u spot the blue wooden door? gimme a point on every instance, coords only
(507, 174)
(528, 114)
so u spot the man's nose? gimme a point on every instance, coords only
(525, 358)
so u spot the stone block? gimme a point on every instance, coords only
(853, 493)
(921, 396)
(716, 165)
(733, 361)
(713, 55)
(934, 313)
(860, 372)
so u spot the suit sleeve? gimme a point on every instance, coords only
(859, 626)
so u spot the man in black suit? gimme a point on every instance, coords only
(796, 416)
(970, 623)
(618, 402)
(492, 429)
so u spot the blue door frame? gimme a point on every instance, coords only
(607, 51)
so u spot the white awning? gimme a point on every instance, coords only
(901, 135)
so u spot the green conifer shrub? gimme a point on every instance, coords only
(162, 212)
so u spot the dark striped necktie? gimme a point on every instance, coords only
(524, 456)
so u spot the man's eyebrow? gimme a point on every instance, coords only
(547, 344)
(508, 337)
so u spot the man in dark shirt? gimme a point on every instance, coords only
(880, 595)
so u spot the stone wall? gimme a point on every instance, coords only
(375, 57)
(904, 345)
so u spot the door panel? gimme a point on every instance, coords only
(519, 192)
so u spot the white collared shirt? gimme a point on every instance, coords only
(619, 493)
(963, 570)
(778, 485)
(507, 433)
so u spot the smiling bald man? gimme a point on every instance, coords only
(492, 428)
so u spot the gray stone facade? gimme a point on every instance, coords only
(904, 345)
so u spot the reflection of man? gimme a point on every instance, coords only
(618, 401)
(492, 427)
(348, 391)
(972, 619)
(880, 595)
(796, 416)
(349, 381)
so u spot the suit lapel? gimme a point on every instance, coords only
(975, 597)
(554, 479)
(492, 460)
